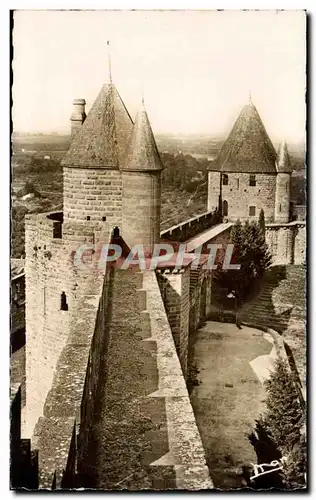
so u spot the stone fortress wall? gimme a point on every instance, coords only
(63, 399)
(141, 207)
(63, 433)
(51, 299)
(287, 242)
(93, 194)
(106, 398)
(240, 196)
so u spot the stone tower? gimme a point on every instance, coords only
(92, 177)
(283, 184)
(102, 146)
(141, 175)
(248, 175)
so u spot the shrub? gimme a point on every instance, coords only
(283, 421)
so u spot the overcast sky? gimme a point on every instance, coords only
(196, 67)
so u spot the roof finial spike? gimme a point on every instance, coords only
(109, 61)
(250, 100)
(143, 98)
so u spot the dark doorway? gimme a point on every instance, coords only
(63, 302)
(225, 208)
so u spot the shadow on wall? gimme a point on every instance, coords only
(177, 309)
(266, 451)
(128, 431)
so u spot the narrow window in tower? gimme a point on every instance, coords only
(88, 217)
(104, 218)
(225, 179)
(237, 183)
(252, 211)
(252, 180)
(280, 207)
(63, 302)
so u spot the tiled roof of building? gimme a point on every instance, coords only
(284, 164)
(142, 153)
(248, 148)
(103, 137)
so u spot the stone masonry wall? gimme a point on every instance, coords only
(287, 242)
(185, 450)
(282, 198)
(94, 193)
(200, 307)
(175, 288)
(98, 357)
(60, 433)
(213, 190)
(300, 245)
(49, 273)
(240, 196)
(141, 207)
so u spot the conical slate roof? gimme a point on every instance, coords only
(142, 153)
(284, 159)
(103, 137)
(248, 148)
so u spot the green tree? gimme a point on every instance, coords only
(262, 222)
(251, 254)
(283, 420)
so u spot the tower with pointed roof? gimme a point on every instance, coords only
(92, 177)
(248, 175)
(111, 176)
(141, 174)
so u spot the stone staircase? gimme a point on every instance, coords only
(280, 301)
(281, 304)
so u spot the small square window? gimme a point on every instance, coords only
(252, 211)
(252, 180)
(104, 218)
(88, 217)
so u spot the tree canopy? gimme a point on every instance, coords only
(252, 254)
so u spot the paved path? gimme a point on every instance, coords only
(230, 395)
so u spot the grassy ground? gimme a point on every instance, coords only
(229, 397)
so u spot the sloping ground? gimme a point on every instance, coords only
(281, 305)
(178, 206)
(229, 396)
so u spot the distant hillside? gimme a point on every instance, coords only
(36, 159)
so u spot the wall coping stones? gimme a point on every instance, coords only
(207, 236)
(275, 225)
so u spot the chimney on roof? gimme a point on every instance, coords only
(78, 115)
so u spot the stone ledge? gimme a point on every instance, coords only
(186, 453)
